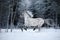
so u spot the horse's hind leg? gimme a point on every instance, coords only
(39, 27)
(0, 29)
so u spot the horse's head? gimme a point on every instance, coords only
(29, 13)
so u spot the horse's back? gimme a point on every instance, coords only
(35, 21)
(41, 21)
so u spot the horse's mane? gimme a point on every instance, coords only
(29, 13)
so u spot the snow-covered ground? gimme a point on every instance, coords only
(44, 34)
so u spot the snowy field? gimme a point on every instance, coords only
(44, 34)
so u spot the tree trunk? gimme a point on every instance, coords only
(8, 19)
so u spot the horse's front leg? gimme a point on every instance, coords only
(0, 29)
(25, 28)
(21, 29)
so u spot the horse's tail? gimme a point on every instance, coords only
(49, 22)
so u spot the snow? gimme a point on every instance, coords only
(44, 34)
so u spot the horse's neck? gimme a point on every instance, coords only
(26, 16)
